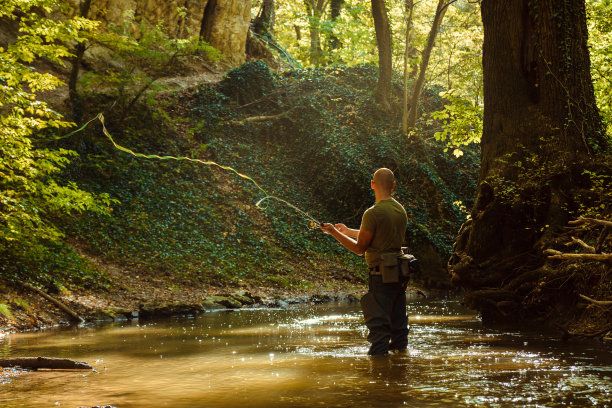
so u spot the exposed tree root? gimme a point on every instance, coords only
(554, 254)
(589, 249)
(597, 302)
(582, 220)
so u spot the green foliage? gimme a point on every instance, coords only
(5, 311)
(333, 139)
(30, 190)
(143, 53)
(247, 83)
(195, 222)
(596, 202)
(456, 58)
(528, 181)
(51, 264)
(461, 122)
(21, 303)
(599, 22)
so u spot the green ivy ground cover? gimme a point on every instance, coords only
(198, 223)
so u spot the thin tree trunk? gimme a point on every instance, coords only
(408, 10)
(383, 38)
(336, 7)
(77, 114)
(263, 24)
(316, 10)
(417, 85)
(315, 38)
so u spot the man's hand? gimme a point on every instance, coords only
(328, 228)
(356, 241)
(342, 228)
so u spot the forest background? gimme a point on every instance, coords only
(77, 213)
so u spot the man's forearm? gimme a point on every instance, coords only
(353, 233)
(348, 242)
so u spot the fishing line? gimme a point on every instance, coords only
(100, 116)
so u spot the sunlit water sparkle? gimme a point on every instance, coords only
(308, 356)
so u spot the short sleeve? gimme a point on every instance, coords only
(368, 221)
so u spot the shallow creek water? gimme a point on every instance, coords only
(306, 357)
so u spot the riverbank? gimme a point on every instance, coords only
(133, 296)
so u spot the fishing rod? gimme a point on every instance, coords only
(100, 117)
(313, 220)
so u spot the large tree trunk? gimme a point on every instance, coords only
(540, 126)
(383, 38)
(417, 86)
(225, 25)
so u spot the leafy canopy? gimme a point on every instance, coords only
(29, 194)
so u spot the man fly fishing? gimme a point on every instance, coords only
(380, 238)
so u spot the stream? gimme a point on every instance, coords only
(309, 356)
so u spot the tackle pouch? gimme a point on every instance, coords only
(408, 265)
(389, 266)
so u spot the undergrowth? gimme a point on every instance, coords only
(201, 224)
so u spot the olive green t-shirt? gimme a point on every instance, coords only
(387, 220)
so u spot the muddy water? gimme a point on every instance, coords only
(307, 357)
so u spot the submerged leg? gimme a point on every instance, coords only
(378, 324)
(399, 323)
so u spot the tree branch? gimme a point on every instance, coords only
(583, 220)
(553, 254)
(261, 118)
(73, 316)
(597, 302)
(601, 239)
(587, 247)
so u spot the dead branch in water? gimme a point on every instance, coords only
(74, 317)
(45, 362)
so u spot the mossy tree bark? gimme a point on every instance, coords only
(541, 128)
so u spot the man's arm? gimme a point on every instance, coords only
(359, 246)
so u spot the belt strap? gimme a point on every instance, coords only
(375, 270)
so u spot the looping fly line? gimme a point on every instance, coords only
(100, 116)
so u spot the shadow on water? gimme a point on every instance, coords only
(309, 356)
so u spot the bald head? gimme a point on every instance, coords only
(384, 179)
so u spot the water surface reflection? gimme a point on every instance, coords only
(309, 356)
